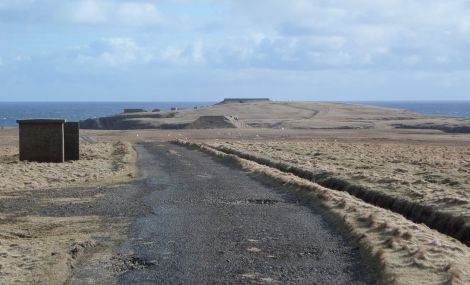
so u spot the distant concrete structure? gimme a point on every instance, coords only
(126, 111)
(156, 110)
(42, 140)
(196, 107)
(244, 100)
(72, 141)
(174, 109)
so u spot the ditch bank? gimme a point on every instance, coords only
(446, 223)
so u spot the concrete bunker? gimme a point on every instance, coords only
(127, 111)
(72, 141)
(48, 140)
(244, 100)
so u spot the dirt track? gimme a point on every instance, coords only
(214, 224)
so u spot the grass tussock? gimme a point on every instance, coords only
(456, 275)
(9, 158)
(402, 252)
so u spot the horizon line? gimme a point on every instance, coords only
(211, 101)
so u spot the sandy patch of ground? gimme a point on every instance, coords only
(403, 251)
(47, 215)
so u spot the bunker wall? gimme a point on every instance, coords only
(72, 140)
(42, 142)
(134, 111)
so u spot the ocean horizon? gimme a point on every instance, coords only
(76, 111)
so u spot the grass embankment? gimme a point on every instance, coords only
(43, 228)
(427, 184)
(403, 252)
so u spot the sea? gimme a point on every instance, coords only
(441, 108)
(75, 111)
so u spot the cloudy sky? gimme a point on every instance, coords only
(181, 50)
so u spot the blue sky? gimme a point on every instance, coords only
(181, 50)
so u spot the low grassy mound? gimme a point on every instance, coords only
(216, 122)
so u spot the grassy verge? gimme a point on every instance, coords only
(401, 251)
(448, 223)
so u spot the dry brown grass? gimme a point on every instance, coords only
(402, 251)
(100, 163)
(432, 174)
(41, 249)
(380, 173)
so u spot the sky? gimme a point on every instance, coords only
(206, 50)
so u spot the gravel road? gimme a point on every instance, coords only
(211, 223)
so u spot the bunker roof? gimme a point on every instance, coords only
(41, 121)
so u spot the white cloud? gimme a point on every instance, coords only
(125, 52)
(88, 12)
(197, 53)
(171, 54)
(111, 12)
(111, 52)
(381, 34)
(79, 12)
(292, 35)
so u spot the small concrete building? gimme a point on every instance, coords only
(42, 140)
(244, 100)
(126, 111)
(72, 140)
(156, 110)
(174, 109)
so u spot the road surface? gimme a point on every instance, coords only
(212, 223)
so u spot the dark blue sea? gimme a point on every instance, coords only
(444, 108)
(74, 111)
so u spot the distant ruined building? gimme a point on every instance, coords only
(244, 100)
(127, 111)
